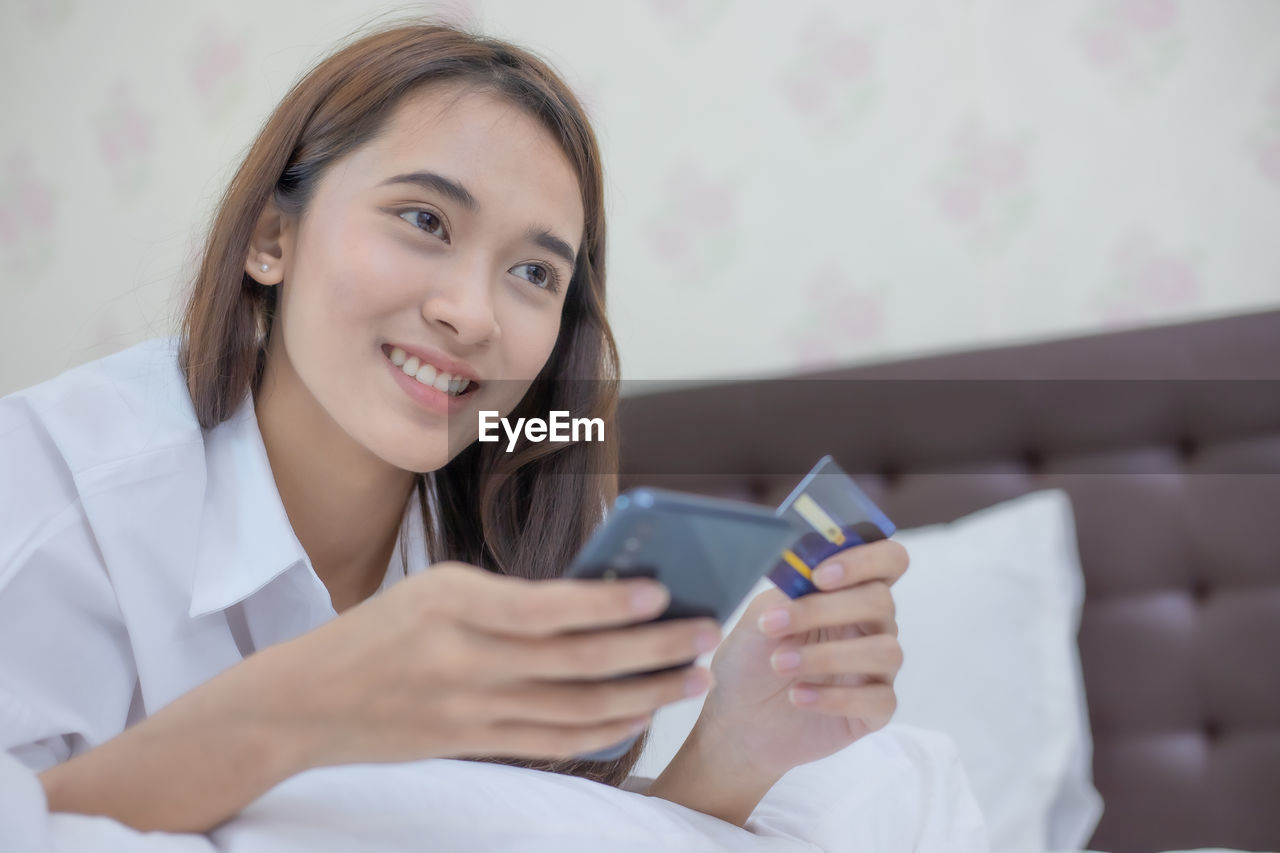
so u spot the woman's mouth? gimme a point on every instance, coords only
(429, 375)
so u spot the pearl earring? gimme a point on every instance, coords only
(264, 267)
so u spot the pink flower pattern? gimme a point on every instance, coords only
(687, 17)
(669, 8)
(27, 205)
(28, 217)
(124, 135)
(695, 224)
(1132, 41)
(1150, 281)
(831, 77)
(47, 16)
(217, 58)
(839, 320)
(1266, 147)
(984, 187)
(124, 131)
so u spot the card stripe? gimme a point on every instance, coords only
(797, 564)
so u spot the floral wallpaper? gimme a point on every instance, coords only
(790, 185)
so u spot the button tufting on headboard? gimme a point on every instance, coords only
(1175, 487)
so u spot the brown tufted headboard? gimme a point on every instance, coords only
(1167, 440)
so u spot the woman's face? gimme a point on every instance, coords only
(450, 238)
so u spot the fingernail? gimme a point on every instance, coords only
(647, 597)
(774, 620)
(803, 695)
(829, 574)
(695, 684)
(785, 661)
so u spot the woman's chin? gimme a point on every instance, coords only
(434, 455)
(419, 455)
(425, 463)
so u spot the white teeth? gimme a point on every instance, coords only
(427, 374)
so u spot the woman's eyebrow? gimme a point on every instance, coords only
(460, 194)
(544, 238)
(439, 183)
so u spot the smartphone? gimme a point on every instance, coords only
(708, 552)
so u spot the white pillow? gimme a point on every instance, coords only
(988, 616)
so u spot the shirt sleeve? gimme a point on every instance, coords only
(67, 674)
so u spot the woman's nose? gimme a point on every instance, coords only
(463, 305)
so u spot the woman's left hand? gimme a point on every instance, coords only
(798, 680)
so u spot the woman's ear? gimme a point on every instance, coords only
(265, 262)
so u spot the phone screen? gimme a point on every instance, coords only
(709, 553)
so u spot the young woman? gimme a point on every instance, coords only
(214, 561)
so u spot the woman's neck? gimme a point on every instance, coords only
(344, 503)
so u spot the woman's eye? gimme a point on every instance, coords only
(425, 220)
(539, 275)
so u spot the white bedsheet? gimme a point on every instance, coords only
(900, 789)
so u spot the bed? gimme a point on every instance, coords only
(1166, 441)
(1091, 622)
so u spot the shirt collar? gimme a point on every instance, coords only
(246, 540)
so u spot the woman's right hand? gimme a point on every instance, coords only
(457, 661)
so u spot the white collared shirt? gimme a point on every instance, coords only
(140, 555)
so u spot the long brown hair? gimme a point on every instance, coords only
(524, 513)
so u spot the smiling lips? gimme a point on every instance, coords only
(429, 374)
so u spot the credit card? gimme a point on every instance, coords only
(828, 513)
